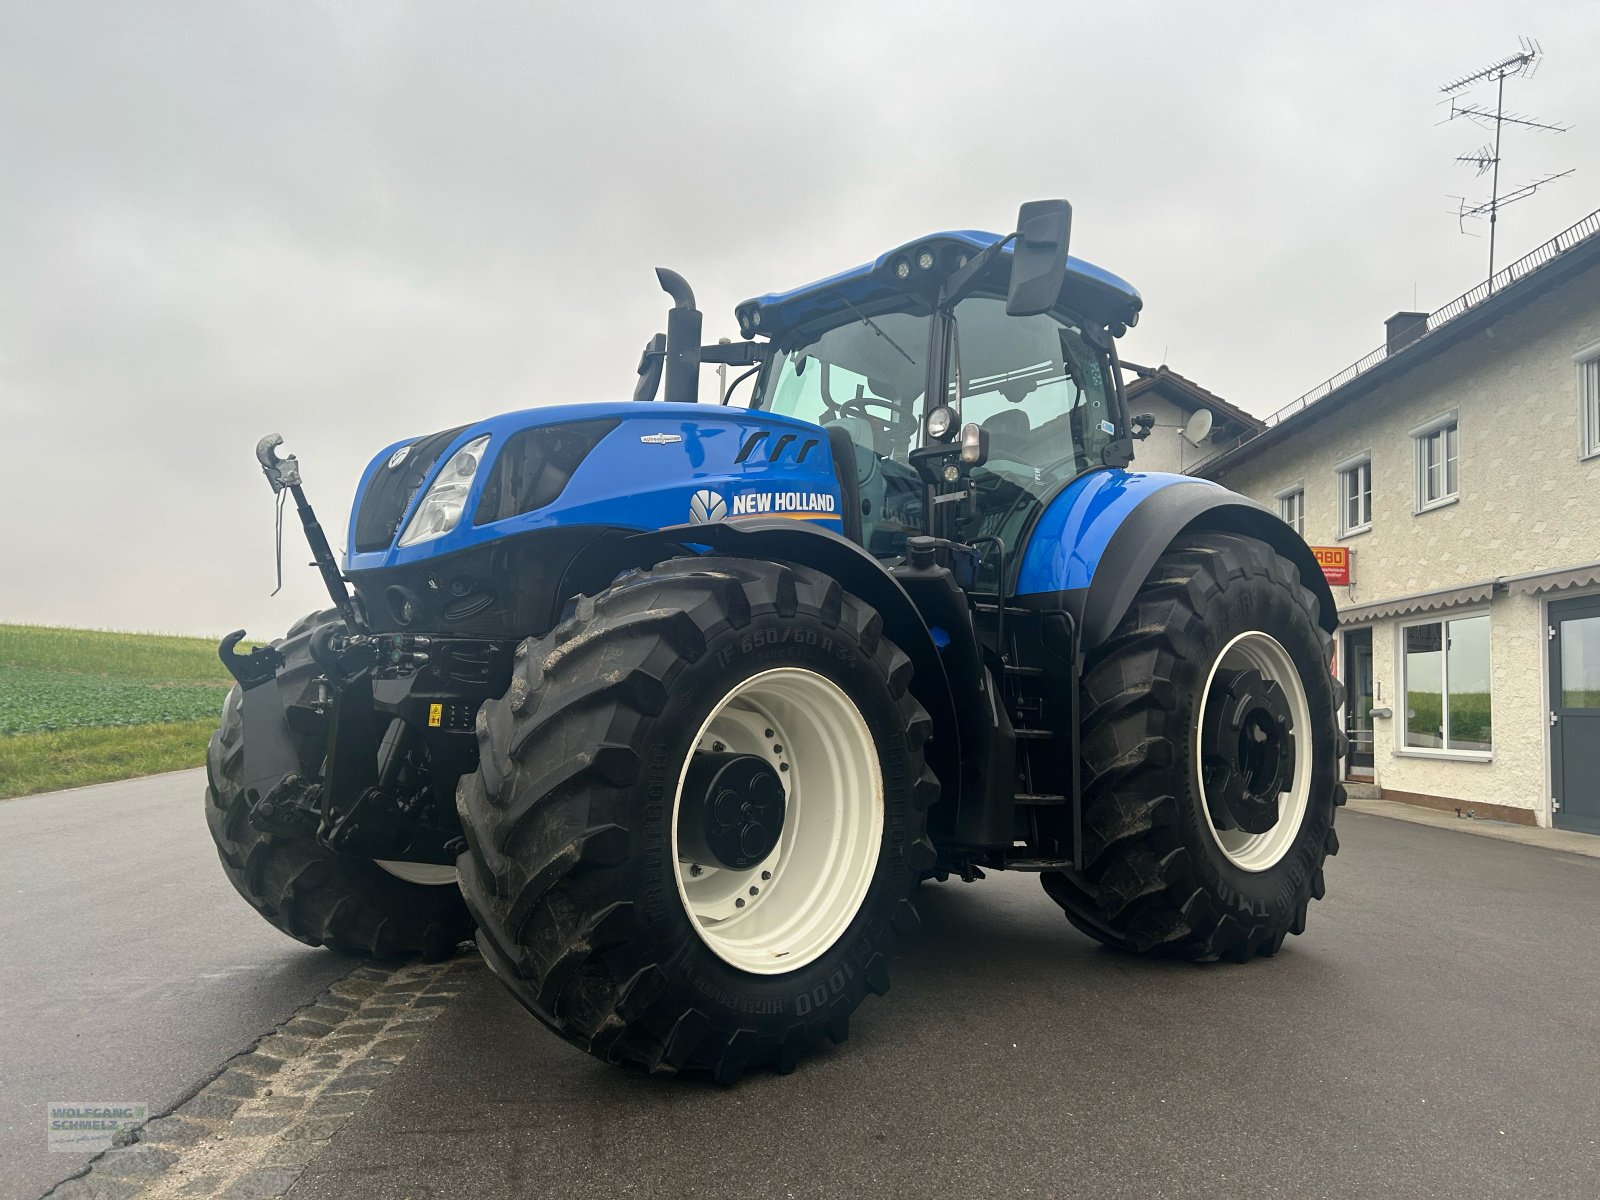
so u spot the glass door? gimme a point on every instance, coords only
(1358, 700)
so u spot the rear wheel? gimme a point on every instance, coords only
(698, 816)
(1210, 755)
(356, 906)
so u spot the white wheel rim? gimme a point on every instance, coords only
(798, 901)
(428, 874)
(1260, 851)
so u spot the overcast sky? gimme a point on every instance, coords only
(355, 222)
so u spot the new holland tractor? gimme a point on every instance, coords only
(675, 704)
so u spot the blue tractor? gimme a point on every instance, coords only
(675, 705)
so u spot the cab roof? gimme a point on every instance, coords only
(1089, 291)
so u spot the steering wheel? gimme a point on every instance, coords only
(857, 406)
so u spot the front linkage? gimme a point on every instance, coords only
(359, 742)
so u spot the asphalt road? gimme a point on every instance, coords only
(1435, 1034)
(131, 969)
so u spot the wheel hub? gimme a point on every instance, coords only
(732, 809)
(1246, 750)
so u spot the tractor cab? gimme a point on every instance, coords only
(962, 407)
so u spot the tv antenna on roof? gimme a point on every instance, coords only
(1522, 64)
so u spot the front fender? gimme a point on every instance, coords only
(1097, 540)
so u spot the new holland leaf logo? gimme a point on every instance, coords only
(706, 506)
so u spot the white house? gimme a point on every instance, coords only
(1459, 465)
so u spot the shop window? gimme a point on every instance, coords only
(1445, 685)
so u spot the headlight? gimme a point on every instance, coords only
(940, 421)
(441, 509)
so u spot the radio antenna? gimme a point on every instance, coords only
(1522, 64)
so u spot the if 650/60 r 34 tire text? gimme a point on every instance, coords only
(588, 908)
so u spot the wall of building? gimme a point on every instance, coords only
(1527, 503)
(1164, 449)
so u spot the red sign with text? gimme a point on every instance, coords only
(1335, 564)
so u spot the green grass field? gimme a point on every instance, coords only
(79, 706)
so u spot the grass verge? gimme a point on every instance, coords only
(64, 758)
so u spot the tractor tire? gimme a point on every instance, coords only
(586, 828)
(1172, 864)
(350, 905)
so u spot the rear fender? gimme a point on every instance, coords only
(1097, 541)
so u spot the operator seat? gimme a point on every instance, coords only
(1010, 435)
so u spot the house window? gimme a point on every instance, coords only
(1438, 479)
(1292, 508)
(1445, 685)
(1589, 402)
(1355, 495)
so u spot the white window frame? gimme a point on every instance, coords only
(1402, 689)
(1425, 436)
(1341, 471)
(1295, 491)
(1587, 362)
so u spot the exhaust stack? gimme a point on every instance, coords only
(683, 340)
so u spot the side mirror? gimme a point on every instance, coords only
(1039, 257)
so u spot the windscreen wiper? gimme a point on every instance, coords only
(873, 325)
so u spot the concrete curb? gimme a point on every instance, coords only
(1564, 841)
(252, 1130)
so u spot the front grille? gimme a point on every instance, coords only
(389, 494)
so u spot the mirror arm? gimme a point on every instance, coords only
(957, 285)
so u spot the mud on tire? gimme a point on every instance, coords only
(1155, 875)
(350, 905)
(569, 868)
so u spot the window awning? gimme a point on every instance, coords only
(1399, 606)
(1535, 582)
(1532, 583)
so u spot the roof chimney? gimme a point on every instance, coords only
(1404, 328)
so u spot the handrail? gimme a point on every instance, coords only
(1528, 263)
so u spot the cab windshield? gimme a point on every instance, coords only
(1037, 385)
(867, 378)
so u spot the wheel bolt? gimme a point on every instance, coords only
(783, 766)
(777, 749)
(696, 869)
(739, 903)
(755, 891)
(769, 735)
(718, 747)
(765, 875)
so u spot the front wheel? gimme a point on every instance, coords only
(698, 816)
(1210, 754)
(365, 908)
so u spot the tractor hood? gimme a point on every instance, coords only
(621, 465)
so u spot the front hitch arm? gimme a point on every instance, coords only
(257, 667)
(284, 475)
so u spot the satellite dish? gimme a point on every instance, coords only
(1198, 427)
